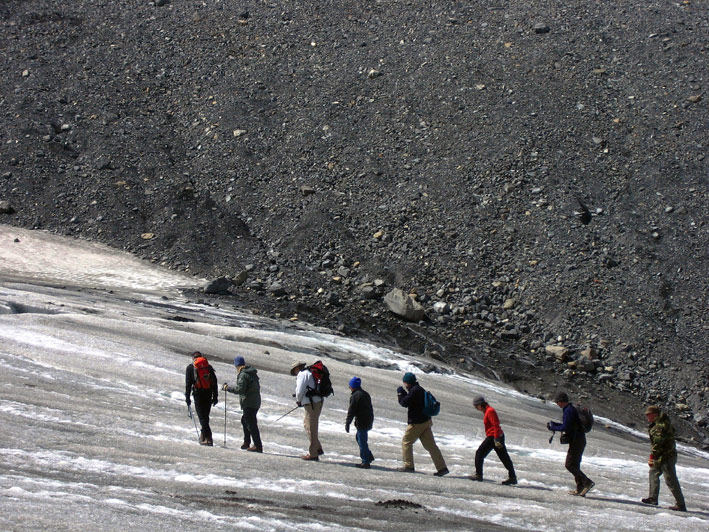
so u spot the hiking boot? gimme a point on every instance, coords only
(204, 442)
(678, 508)
(245, 445)
(255, 449)
(406, 470)
(588, 487)
(310, 458)
(574, 492)
(363, 466)
(320, 451)
(441, 472)
(209, 442)
(476, 478)
(509, 482)
(650, 500)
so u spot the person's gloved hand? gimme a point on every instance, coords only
(347, 429)
(400, 391)
(214, 403)
(298, 403)
(187, 400)
(651, 461)
(549, 425)
(225, 386)
(498, 444)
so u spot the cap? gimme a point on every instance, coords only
(409, 378)
(652, 409)
(239, 361)
(355, 382)
(196, 354)
(561, 397)
(479, 400)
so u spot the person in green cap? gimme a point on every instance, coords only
(419, 426)
(663, 457)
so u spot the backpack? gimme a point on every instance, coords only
(321, 375)
(431, 407)
(202, 377)
(585, 417)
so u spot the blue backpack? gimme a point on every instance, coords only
(431, 407)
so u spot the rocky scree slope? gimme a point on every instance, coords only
(535, 174)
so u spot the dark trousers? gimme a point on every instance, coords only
(250, 425)
(573, 460)
(202, 406)
(365, 454)
(488, 445)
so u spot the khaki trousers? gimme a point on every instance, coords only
(423, 432)
(310, 422)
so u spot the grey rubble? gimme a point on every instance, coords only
(443, 151)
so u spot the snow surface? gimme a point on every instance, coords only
(96, 434)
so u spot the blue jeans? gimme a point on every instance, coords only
(364, 453)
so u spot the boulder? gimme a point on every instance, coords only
(559, 352)
(402, 304)
(220, 285)
(241, 278)
(441, 307)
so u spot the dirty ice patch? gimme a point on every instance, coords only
(43, 256)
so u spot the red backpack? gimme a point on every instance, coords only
(202, 378)
(321, 375)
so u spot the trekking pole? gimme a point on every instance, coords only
(289, 411)
(552, 437)
(189, 413)
(225, 396)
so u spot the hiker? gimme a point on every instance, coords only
(249, 392)
(419, 426)
(201, 382)
(663, 457)
(312, 405)
(572, 433)
(363, 414)
(494, 439)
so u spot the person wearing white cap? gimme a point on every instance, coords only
(312, 405)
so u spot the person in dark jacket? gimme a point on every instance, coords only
(249, 391)
(494, 439)
(419, 426)
(574, 435)
(363, 414)
(663, 457)
(201, 383)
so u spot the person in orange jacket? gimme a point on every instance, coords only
(494, 439)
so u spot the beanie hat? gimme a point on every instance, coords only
(239, 361)
(652, 409)
(409, 378)
(561, 397)
(355, 382)
(479, 400)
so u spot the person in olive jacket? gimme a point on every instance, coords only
(663, 457)
(249, 392)
(363, 414)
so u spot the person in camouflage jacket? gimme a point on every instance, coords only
(663, 457)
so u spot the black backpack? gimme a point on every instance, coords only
(585, 417)
(321, 376)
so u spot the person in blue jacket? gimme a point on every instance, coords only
(572, 433)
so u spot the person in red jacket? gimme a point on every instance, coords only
(494, 439)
